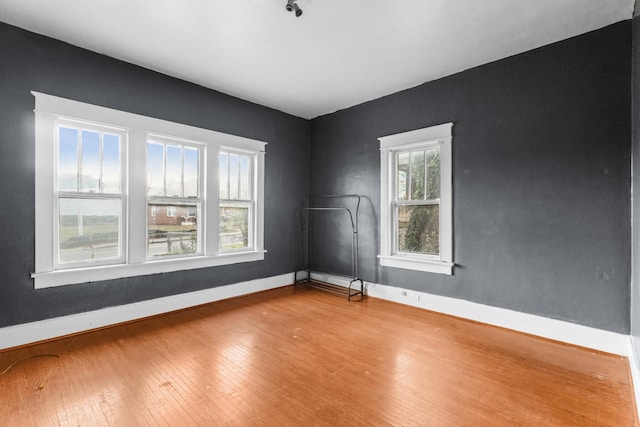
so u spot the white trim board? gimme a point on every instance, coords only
(557, 330)
(28, 333)
(584, 336)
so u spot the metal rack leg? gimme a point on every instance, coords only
(361, 289)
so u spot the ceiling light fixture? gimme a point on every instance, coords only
(292, 5)
(297, 9)
(289, 5)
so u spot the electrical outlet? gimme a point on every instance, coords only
(411, 296)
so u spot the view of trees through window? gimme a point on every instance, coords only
(234, 227)
(417, 201)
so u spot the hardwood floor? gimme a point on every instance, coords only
(303, 358)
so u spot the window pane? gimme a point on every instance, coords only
(155, 169)
(111, 163)
(433, 174)
(233, 176)
(418, 229)
(67, 159)
(417, 175)
(172, 229)
(245, 174)
(190, 172)
(223, 175)
(88, 230)
(174, 171)
(402, 175)
(234, 227)
(90, 162)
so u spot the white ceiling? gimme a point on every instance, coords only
(337, 54)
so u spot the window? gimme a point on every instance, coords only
(236, 199)
(88, 198)
(416, 199)
(173, 182)
(121, 195)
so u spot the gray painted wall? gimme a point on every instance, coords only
(31, 62)
(541, 164)
(635, 195)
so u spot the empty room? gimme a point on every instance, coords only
(306, 212)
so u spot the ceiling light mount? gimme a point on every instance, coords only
(292, 5)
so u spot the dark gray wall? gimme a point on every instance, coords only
(541, 164)
(31, 62)
(635, 260)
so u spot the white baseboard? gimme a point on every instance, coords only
(27, 333)
(558, 330)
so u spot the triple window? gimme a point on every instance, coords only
(140, 195)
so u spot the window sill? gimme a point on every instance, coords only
(94, 274)
(408, 263)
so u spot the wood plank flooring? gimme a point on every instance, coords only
(305, 358)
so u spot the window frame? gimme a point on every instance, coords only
(238, 202)
(172, 202)
(390, 145)
(138, 128)
(59, 194)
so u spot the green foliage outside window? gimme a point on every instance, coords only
(418, 226)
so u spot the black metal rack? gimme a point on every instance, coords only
(349, 292)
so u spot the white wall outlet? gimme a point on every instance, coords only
(411, 296)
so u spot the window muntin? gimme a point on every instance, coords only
(173, 198)
(237, 200)
(127, 181)
(416, 219)
(88, 202)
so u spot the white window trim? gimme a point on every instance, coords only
(399, 142)
(49, 108)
